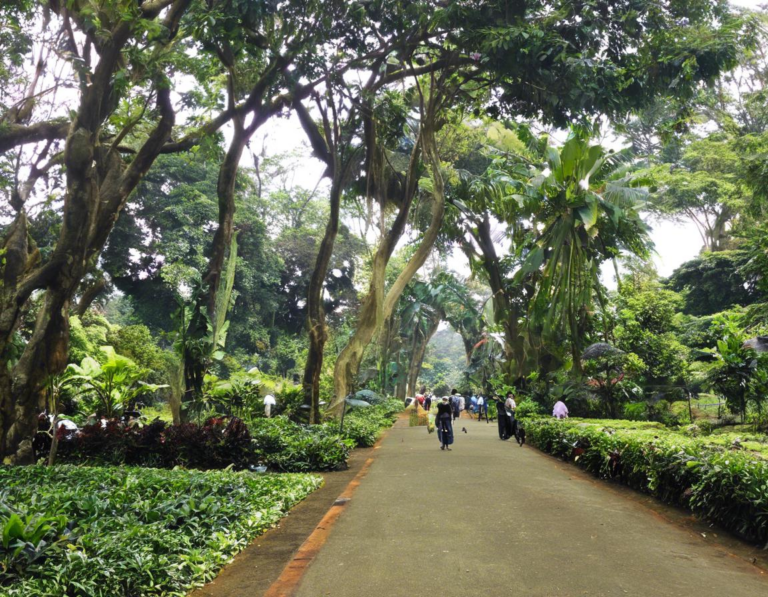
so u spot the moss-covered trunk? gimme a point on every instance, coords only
(98, 184)
(378, 306)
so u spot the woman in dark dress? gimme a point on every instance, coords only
(501, 419)
(443, 423)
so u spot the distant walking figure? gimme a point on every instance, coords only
(444, 424)
(501, 419)
(481, 408)
(560, 411)
(456, 403)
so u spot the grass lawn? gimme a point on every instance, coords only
(118, 531)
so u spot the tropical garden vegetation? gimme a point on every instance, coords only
(338, 203)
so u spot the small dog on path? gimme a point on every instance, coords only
(520, 435)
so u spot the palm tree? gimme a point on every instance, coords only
(588, 204)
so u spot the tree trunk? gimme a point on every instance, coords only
(402, 380)
(504, 313)
(222, 239)
(719, 234)
(406, 377)
(89, 295)
(417, 358)
(377, 307)
(318, 332)
(98, 184)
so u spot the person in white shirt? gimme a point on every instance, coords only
(481, 408)
(510, 406)
(269, 402)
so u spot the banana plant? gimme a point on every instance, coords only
(115, 383)
(588, 204)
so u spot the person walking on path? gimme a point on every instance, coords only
(444, 424)
(456, 400)
(560, 411)
(473, 405)
(510, 406)
(481, 408)
(428, 401)
(501, 419)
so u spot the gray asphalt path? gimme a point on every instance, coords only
(492, 519)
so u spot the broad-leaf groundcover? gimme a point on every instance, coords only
(89, 531)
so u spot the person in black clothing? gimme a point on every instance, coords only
(501, 419)
(444, 424)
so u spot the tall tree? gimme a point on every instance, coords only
(335, 140)
(121, 61)
(380, 302)
(705, 186)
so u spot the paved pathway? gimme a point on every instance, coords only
(492, 519)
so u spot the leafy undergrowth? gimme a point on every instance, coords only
(718, 479)
(278, 443)
(365, 425)
(131, 532)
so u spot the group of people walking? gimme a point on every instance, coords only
(449, 408)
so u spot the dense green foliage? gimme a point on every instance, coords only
(89, 532)
(278, 443)
(714, 282)
(721, 480)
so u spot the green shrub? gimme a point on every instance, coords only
(364, 425)
(528, 408)
(220, 442)
(636, 411)
(123, 531)
(289, 401)
(719, 478)
(284, 445)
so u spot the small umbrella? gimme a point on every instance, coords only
(758, 344)
(353, 402)
(599, 350)
(356, 402)
(368, 396)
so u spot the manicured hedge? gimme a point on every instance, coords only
(91, 532)
(279, 443)
(284, 445)
(364, 425)
(722, 483)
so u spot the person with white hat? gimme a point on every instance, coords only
(269, 402)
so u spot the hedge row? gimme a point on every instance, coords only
(364, 425)
(725, 485)
(118, 531)
(278, 443)
(219, 443)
